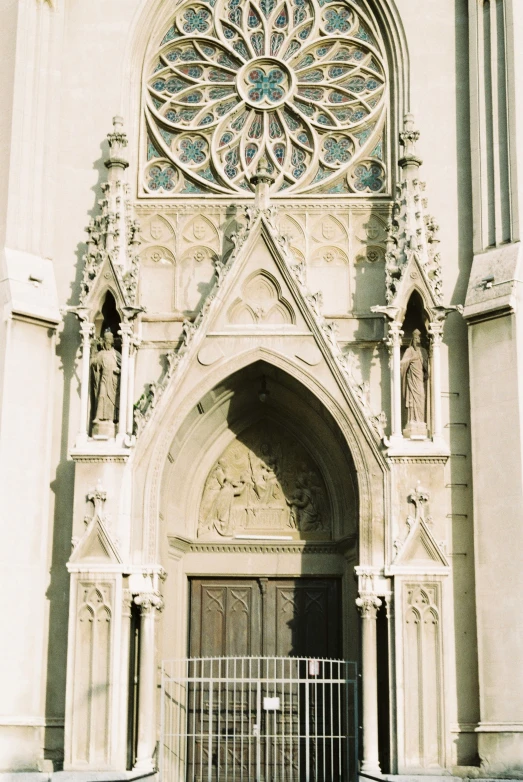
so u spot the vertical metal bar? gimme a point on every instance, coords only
(356, 719)
(307, 736)
(162, 726)
(209, 738)
(258, 737)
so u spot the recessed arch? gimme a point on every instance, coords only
(371, 470)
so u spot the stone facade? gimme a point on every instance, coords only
(265, 358)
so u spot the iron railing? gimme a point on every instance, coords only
(258, 719)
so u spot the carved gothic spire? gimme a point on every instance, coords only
(113, 231)
(412, 233)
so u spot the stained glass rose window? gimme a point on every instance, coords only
(301, 82)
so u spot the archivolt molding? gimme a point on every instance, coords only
(159, 455)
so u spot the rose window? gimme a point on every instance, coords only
(299, 82)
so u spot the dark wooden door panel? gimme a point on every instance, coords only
(303, 618)
(225, 618)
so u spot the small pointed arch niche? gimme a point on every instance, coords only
(108, 318)
(416, 319)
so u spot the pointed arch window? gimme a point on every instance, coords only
(303, 83)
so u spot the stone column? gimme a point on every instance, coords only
(125, 647)
(135, 342)
(436, 336)
(394, 344)
(87, 331)
(149, 605)
(125, 332)
(368, 603)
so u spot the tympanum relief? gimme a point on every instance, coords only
(265, 482)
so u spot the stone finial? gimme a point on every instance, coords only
(408, 138)
(262, 181)
(117, 143)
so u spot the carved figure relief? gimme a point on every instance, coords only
(105, 374)
(414, 373)
(265, 481)
(261, 302)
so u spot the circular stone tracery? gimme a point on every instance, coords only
(264, 83)
(300, 82)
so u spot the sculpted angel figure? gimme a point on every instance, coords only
(105, 369)
(414, 371)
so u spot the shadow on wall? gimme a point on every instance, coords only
(63, 488)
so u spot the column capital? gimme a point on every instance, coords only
(86, 329)
(394, 335)
(148, 602)
(126, 330)
(435, 329)
(368, 604)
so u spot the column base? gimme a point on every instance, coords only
(370, 767)
(145, 766)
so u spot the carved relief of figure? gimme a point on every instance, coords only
(263, 482)
(220, 516)
(105, 368)
(414, 371)
(304, 515)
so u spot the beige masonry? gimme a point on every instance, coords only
(262, 273)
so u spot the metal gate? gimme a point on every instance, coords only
(258, 719)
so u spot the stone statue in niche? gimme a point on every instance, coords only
(414, 373)
(105, 379)
(264, 482)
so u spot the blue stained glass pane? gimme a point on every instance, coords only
(292, 48)
(291, 123)
(226, 138)
(224, 108)
(192, 97)
(170, 35)
(220, 92)
(209, 51)
(159, 85)
(303, 34)
(364, 35)
(312, 76)
(239, 122)
(279, 152)
(257, 40)
(276, 42)
(305, 61)
(250, 152)
(167, 137)
(304, 108)
(267, 6)
(191, 188)
(206, 120)
(324, 120)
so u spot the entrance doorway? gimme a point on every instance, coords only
(264, 695)
(275, 617)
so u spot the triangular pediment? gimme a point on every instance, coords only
(260, 296)
(420, 550)
(261, 291)
(96, 545)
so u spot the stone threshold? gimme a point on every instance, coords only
(77, 776)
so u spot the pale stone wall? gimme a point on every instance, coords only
(57, 125)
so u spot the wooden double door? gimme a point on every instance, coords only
(275, 617)
(257, 711)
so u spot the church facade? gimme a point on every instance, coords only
(260, 388)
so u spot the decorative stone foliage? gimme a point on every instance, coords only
(302, 83)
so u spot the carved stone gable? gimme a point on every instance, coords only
(265, 482)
